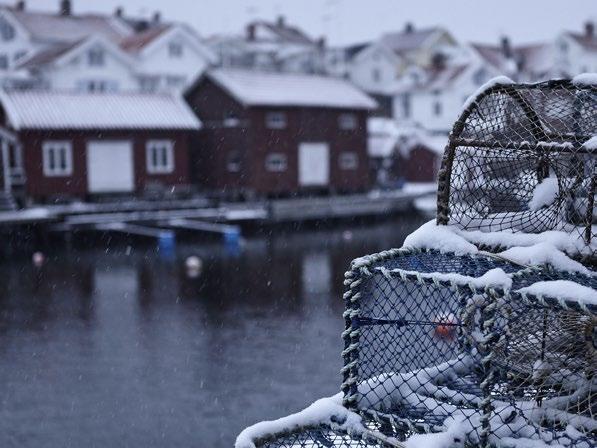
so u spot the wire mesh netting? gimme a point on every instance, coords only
(521, 159)
(321, 437)
(434, 353)
(458, 346)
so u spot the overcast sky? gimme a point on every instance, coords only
(348, 21)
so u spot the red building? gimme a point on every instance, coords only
(279, 134)
(58, 145)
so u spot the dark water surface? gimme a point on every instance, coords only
(118, 347)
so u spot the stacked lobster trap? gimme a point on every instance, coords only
(470, 348)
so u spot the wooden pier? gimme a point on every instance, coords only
(162, 220)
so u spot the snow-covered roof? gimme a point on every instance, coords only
(67, 51)
(386, 135)
(408, 40)
(253, 88)
(52, 27)
(30, 109)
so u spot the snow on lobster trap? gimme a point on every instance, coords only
(446, 345)
(522, 158)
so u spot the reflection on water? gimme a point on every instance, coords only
(118, 347)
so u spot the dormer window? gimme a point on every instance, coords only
(95, 57)
(175, 49)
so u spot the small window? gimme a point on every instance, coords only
(95, 57)
(275, 120)
(233, 162)
(3, 61)
(57, 158)
(276, 162)
(175, 81)
(160, 156)
(7, 31)
(437, 108)
(406, 105)
(347, 121)
(175, 49)
(349, 160)
(376, 75)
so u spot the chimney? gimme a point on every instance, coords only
(281, 21)
(321, 43)
(251, 32)
(409, 27)
(589, 29)
(506, 47)
(65, 8)
(156, 18)
(119, 11)
(20, 5)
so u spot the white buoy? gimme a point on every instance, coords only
(38, 259)
(194, 266)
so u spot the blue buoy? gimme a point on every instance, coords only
(167, 243)
(232, 237)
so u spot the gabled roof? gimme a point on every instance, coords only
(408, 40)
(50, 27)
(283, 89)
(529, 57)
(31, 109)
(587, 42)
(48, 55)
(282, 31)
(58, 52)
(145, 40)
(137, 42)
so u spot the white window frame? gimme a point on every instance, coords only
(56, 147)
(276, 162)
(233, 161)
(168, 167)
(275, 120)
(348, 160)
(348, 121)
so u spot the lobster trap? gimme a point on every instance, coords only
(469, 350)
(522, 158)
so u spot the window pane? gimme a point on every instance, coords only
(62, 153)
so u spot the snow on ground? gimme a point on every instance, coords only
(563, 289)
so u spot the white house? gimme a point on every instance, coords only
(271, 46)
(94, 52)
(379, 67)
(437, 100)
(167, 57)
(93, 64)
(576, 52)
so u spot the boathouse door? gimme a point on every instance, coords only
(314, 164)
(110, 166)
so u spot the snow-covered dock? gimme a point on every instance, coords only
(200, 214)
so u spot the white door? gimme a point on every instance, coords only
(110, 166)
(314, 164)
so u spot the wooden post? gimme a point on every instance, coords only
(5, 165)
